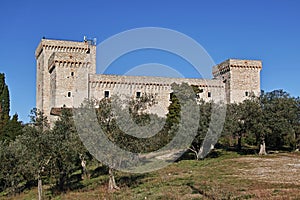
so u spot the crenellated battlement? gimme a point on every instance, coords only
(225, 66)
(112, 81)
(68, 60)
(63, 46)
(240, 77)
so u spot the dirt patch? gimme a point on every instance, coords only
(283, 168)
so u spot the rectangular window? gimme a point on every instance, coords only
(171, 96)
(209, 94)
(51, 69)
(69, 94)
(72, 73)
(106, 94)
(138, 94)
(246, 94)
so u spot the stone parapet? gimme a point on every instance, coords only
(62, 46)
(68, 59)
(226, 65)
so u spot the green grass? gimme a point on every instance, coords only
(222, 177)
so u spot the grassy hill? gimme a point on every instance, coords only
(226, 176)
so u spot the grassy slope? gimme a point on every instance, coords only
(228, 176)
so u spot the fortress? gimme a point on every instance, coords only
(67, 69)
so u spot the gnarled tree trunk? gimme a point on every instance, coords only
(84, 172)
(262, 150)
(40, 188)
(112, 183)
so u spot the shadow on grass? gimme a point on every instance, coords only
(99, 171)
(247, 151)
(130, 180)
(75, 180)
(188, 155)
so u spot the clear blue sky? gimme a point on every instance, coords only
(268, 30)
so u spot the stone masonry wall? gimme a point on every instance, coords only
(160, 87)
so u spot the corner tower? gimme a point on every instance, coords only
(62, 70)
(241, 78)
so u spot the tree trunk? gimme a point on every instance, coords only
(239, 144)
(40, 188)
(262, 150)
(297, 142)
(112, 183)
(13, 187)
(84, 172)
(199, 153)
(62, 181)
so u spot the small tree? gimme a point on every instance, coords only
(4, 97)
(135, 108)
(68, 151)
(4, 106)
(233, 127)
(280, 119)
(37, 141)
(297, 124)
(11, 177)
(205, 113)
(12, 129)
(253, 118)
(106, 119)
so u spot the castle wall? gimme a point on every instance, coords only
(66, 76)
(160, 87)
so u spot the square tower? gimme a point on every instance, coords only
(241, 78)
(62, 70)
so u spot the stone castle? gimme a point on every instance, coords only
(67, 69)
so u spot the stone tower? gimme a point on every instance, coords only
(241, 78)
(62, 71)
